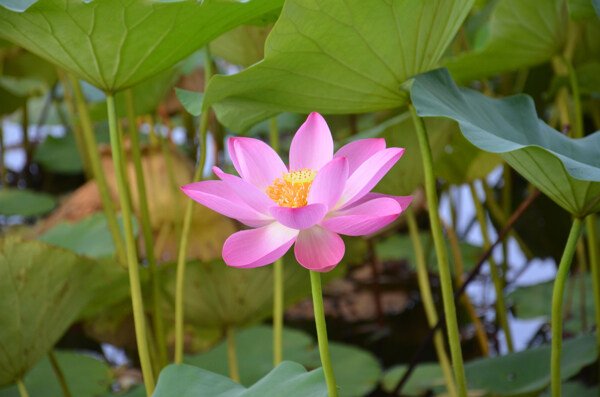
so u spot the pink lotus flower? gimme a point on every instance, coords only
(320, 196)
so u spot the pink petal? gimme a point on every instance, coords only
(329, 183)
(403, 201)
(369, 174)
(219, 197)
(247, 192)
(365, 218)
(301, 217)
(255, 161)
(258, 247)
(312, 146)
(319, 249)
(358, 152)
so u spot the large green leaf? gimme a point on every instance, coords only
(115, 44)
(42, 290)
(85, 376)
(522, 34)
(357, 371)
(426, 376)
(243, 45)
(338, 57)
(287, 379)
(565, 169)
(25, 202)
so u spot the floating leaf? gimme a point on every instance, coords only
(42, 291)
(575, 389)
(86, 377)
(522, 34)
(335, 59)
(25, 202)
(59, 155)
(114, 44)
(357, 371)
(565, 169)
(425, 377)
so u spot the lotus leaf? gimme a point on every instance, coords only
(25, 202)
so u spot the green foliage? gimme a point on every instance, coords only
(288, 378)
(333, 59)
(59, 155)
(26, 203)
(357, 371)
(114, 44)
(565, 169)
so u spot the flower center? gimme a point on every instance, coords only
(291, 190)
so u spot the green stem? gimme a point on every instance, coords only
(25, 125)
(557, 300)
(234, 372)
(130, 244)
(59, 374)
(317, 295)
(2, 164)
(278, 294)
(94, 157)
(22, 389)
(578, 130)
(442, 255)
(428, 303)
(497, 280)
(187, 222)
(158, 323)
(592, 243)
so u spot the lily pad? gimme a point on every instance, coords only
(25, 202)
(521, 34)
(59, 155)
(425, 377)
(357, 371)
(288, 378)
(116, 44)
(86, 377)
(334, 59)
(42, 290)
(566, 170)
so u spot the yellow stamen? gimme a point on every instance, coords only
(291, 190)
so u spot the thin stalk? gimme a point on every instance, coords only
(2, 164)
(459, 268)
(557, 299)
(94, 156)
(442, 256)
(428, 303)
(25, 126)
(581, 270)
(234, 372)
(317, 295)
(578, 130)
(593, 243)
(187, 222)
(278, 294)
(59, 374)
(498, 284)
(22, 389)
(130, 244)
(158, 323)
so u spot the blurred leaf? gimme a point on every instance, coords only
(565, 169)
(575, 389)
(191, 101)
(424, 378)
(333, 59)
(26, 203)
(580, 9)
(115, 45)
(42, 291)
(85, 376)
(288, 378)
(522, 34)
(588, 77)
(357, 371)
(59, 155)
(243, 45)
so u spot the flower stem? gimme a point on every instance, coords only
(277, 274)
(592, 235)
(317, 295)
(187, 222)
(3, 170)
(94, 157)
(22, 389)
(234, 372)
(498, 283)
(428, 303)
(131, 249)
(59, 374)
(557, 300)
(136, 154)
(442, 256)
